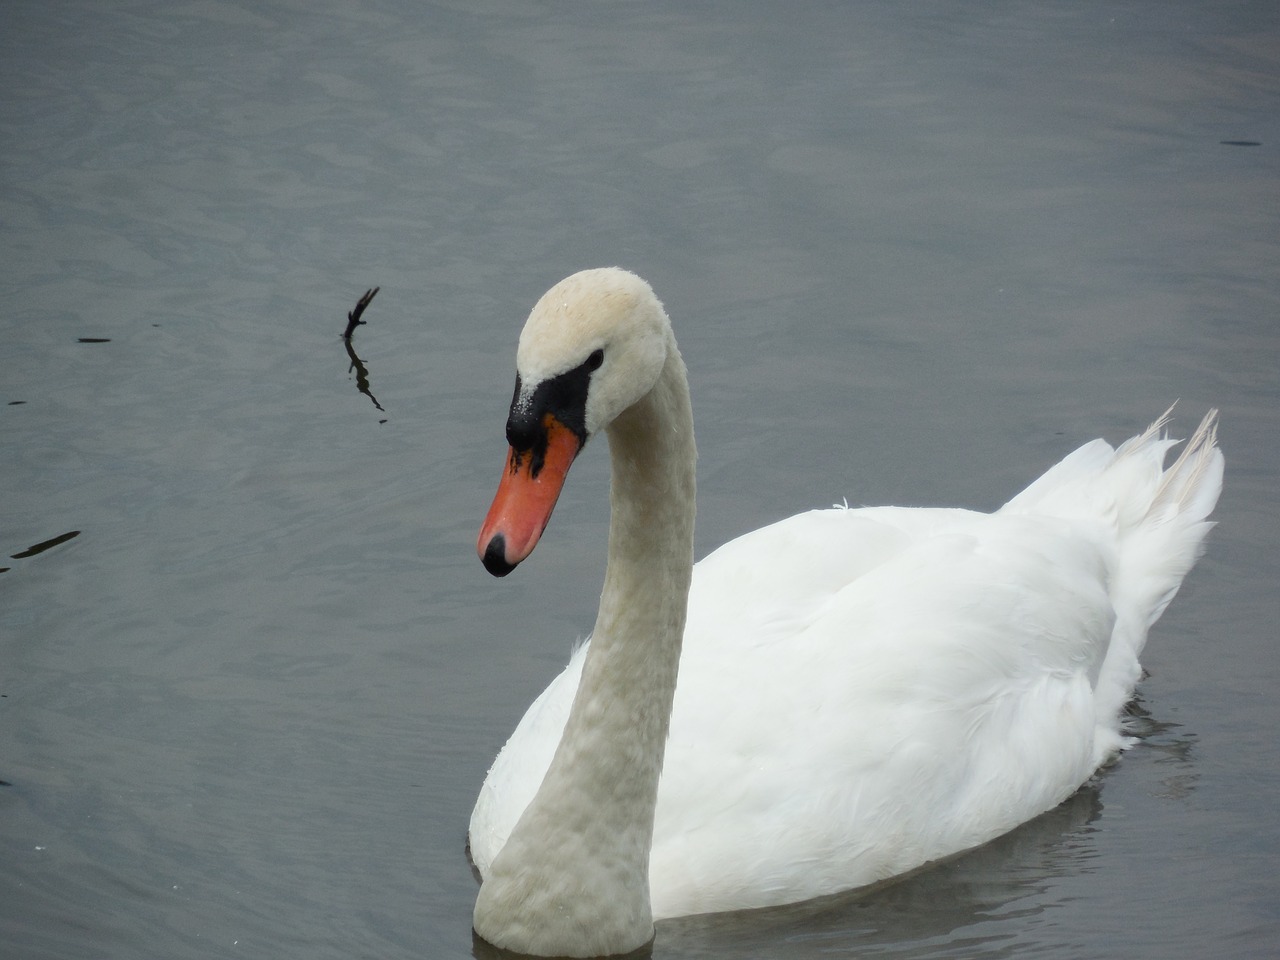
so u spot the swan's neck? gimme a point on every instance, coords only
(573, 879)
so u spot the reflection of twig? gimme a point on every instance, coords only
(353, 316)
(362, 375)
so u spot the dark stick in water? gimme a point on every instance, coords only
(353, 316)
(357, 365)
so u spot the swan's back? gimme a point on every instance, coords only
(863, 691)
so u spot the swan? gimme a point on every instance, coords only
(861, 691)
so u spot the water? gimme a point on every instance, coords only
(914, 253)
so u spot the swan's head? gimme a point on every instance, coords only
(594, 345)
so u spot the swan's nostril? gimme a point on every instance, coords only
(495, 557)
(525, 432)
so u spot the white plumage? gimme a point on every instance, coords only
(862, 691)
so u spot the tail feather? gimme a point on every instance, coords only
(1160, 550)
(1191, 486)
(1130, 484)
(1157, 520)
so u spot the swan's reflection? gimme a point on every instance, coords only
(1172, 742)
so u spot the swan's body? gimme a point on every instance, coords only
(860, 691)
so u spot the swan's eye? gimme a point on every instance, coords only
(595, 360)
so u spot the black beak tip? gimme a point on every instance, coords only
(495, 557)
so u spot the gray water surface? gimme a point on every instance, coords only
(914, 254)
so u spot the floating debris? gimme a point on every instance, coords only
(357, 365)
(353, 316)
(44, 545)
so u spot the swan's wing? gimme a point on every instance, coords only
(922, 685)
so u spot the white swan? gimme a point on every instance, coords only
(860, 691)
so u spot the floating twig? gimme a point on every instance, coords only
(353, 316)
(357, 365)
(44, 545)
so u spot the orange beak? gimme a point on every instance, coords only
(526, 496)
